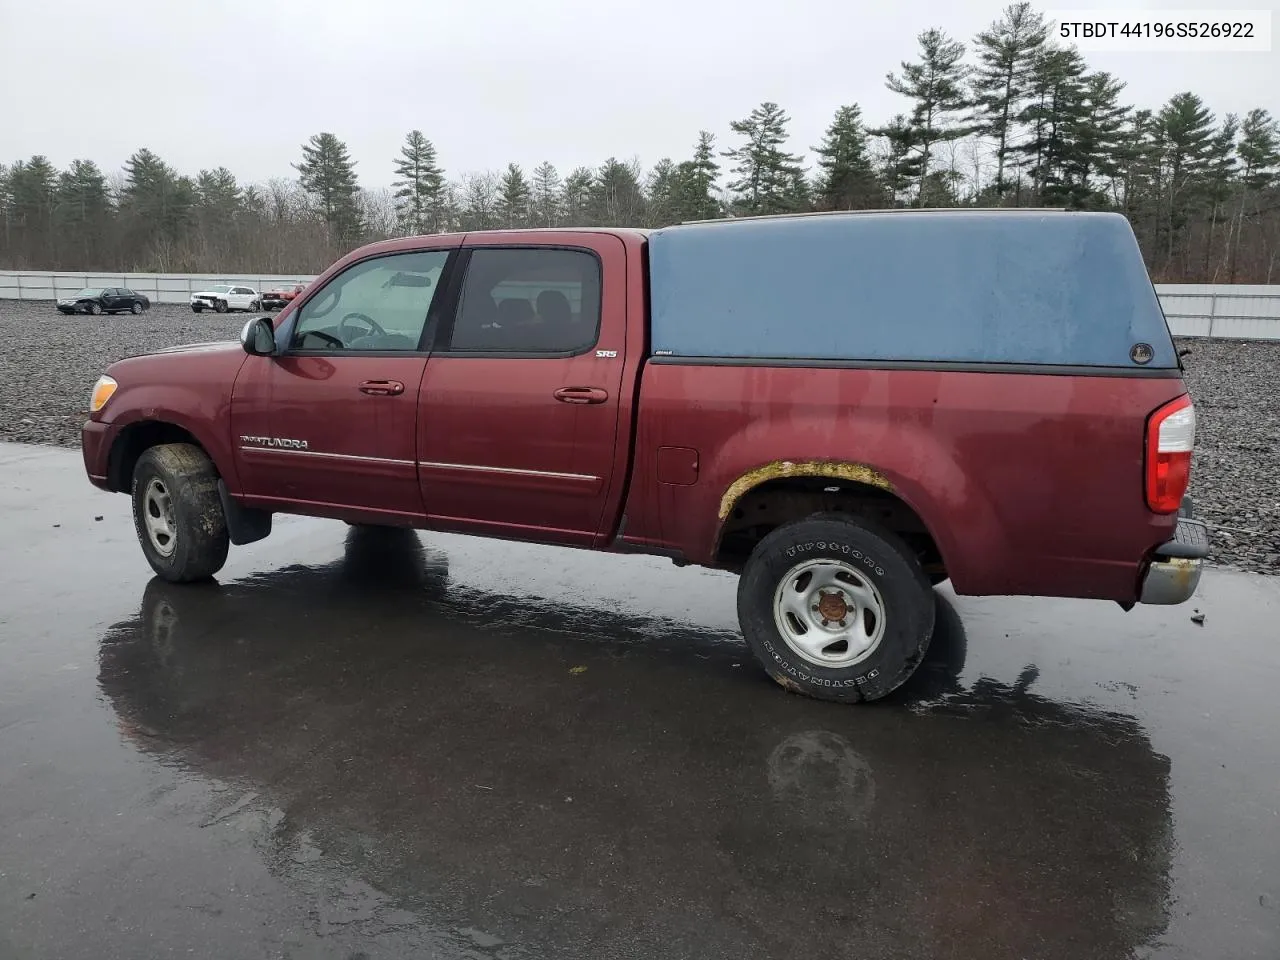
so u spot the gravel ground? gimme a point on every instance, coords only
(50, 362)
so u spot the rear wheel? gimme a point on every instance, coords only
(178, 514)
(136, 308)
(836, 608)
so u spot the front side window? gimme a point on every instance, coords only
(379, 304)
(528, 301)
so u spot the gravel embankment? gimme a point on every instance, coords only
(50, 362)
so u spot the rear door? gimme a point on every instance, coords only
(519, 403)
(328, 425)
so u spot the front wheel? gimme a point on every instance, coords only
(136, 308)
(94, 309)
(178, 514)
(835, 608)
(220, 306)
(197, 308)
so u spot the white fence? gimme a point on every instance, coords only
(159, 287)
(1227, 311)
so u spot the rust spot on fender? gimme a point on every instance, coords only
(780, 469)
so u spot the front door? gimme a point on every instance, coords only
(519, 405)
(329, 424)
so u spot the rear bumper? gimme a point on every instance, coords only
(1174, 572)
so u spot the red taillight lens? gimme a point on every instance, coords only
(1171, 438)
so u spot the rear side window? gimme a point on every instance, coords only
(528, 301)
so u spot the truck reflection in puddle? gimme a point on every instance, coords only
(440, 747)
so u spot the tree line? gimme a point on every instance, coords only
(1009, 119)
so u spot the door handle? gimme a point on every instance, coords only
(382, 388)
(581, 395)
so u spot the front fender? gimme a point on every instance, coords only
(207, 419)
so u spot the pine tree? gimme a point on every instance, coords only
(418, 186)
(661, 192)
(83, 212)
(902, 161)
(6, 215)
(32, 191)
(1099, 137)
(936, 85)
(546, 195)
(694, 181)
(1186, 128)
(328, 174)
(1259, 150)
(1055, 104)
(615, 198)
(846, 180)
(218, 194)
(767, 174)
(1219, 180)
(1007, 52)
(513, 197)
(1259, 154)
(576, 198)
(158, 209)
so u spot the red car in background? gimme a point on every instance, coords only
(280, 295)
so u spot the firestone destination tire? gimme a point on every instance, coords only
(178, 514)
(836, 608)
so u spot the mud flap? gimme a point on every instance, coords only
(244, 524)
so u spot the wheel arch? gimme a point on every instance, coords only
(765, 498)
(137, 437)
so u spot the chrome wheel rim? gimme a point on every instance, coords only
(157, 516)
(829, 613)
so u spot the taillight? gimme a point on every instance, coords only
(1171, 438)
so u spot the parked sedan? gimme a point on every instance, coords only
(223, 297)
(97, 300)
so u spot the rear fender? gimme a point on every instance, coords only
(912, 464)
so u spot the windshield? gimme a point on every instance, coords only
(220, 288)
(89, 292)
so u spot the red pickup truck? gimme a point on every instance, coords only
(842, 408)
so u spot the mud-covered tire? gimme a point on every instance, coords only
(877, 557)
(175, 488)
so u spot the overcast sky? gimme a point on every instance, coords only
(242, 83)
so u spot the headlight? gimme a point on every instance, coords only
(102, 391)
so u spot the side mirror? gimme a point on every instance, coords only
(258, 337)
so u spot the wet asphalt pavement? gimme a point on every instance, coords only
(364, 744)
